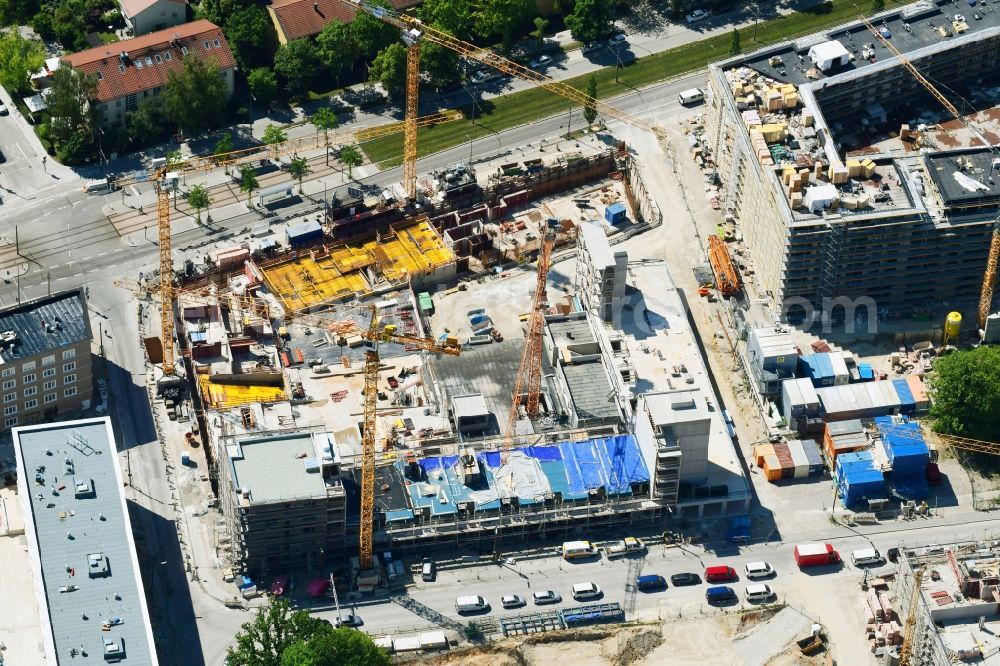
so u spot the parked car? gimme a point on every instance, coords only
(685, 579)
(720, 594)
(582, 591)
(618, 40)
(428, 571)
(546, 597)
(697, 15)
(512, 601)
(759, 593)
(591, 47)
(540, 61)
(758, 570)
(892, 554)
(720, 574)
(483, 76)
(350, 620)
(3, 109)
(651, 582)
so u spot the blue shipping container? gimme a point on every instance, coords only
(865, 372)
(615, 213)
(906, 402)
(857, 478)
(818, 368)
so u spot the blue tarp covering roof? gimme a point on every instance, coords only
(613, 463)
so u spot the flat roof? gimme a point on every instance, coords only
(683, 406)
(45, 324)
(919, 16)
(591, 390)
(276, 467)
(470, 405)
(965, 178)
(80, 539)
(597, 244)
(570, 330)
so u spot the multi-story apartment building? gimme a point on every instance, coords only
(45, 359)
(600, 273)
(132, 70)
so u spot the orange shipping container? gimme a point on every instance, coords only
(772, 468)
(760, 452)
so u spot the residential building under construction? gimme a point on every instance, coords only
(848, 178)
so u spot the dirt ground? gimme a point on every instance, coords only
(675, 643)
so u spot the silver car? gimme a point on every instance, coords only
(512, 601)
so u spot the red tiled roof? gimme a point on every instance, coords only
(133, 7)
(303, 18)
(150, 57)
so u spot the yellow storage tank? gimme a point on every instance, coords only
(952, 325)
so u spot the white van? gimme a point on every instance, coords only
(471, 604)
(866, 556)
(97, 186)
(690, 96)
(759, 592)
(586, 591)
(758, 570)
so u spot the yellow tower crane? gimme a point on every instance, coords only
(413, 31)
(993, 257)
(906, 649)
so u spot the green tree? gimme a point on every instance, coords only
(335, 647)
(194, 97)
(224, 144)
(262, 641)
(19, 59)
(76, 148)
(372, 34)
(966, 393)
(539, 32)
(734, 44)
(506, 19)
(248, 183)
(452, 16)
(325, 119)
(336, 47)
(590, 20)
(218, 11)
(273, 134)
(263, 85)
(17, 12)
(295, 63)
(69, 105)
(248, 33)
(389, 69)
(198, 199)
(878, 5)
(298, 169)
(352, 157)
(68, 24)
(590, 110)
(441, 65)
(146, 123)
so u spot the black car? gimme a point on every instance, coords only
(2, 158)
(892, 554)
(685, 579)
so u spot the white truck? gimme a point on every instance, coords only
(626, 546)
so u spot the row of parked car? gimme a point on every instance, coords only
(477, 604)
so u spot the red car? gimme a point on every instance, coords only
(280, 585)
(933, 474)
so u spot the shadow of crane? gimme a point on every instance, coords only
(426, 612)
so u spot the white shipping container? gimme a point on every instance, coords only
(840, 374)
(799, 459)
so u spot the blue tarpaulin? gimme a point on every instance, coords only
(904, 444)
(906, 402)
(613, 463)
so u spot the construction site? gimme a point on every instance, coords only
(848, 176)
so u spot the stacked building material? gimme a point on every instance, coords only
(881, 627)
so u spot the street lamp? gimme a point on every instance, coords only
(470, 148)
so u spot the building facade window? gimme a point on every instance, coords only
(49, 385)
(31, 404)
(68, 354)
(69, 379)
(8, 372)
(10, 423)
(49, 360)
(69, 367)
(27, 379)
(30, 391)
(10, 410)
(49, 397)
(70, 392)
(9, 384)
(28, 367)
(49, 372)
(10, 397)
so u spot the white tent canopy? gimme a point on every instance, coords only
(829, 54)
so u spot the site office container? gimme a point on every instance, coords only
(815, 554)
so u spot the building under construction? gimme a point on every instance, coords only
(848, 178)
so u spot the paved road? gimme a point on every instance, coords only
(803, 587)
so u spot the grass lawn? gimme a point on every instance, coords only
(530, 105)
(108, 37)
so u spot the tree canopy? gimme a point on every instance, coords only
(194, 98)
(335, 647)
(273, 134)
(590, 20)
(371, 34)
(248, 32)
(336, 47)
(389, 68)
(966, 393)
(19, 59)
(590, 109)
(263, 85)
(69, 104)
(295, 63)
(452, 16)
(352, 157)
(506, 19)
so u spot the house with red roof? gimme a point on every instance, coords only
(135, 69)
(304, 18)
(145, 16)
